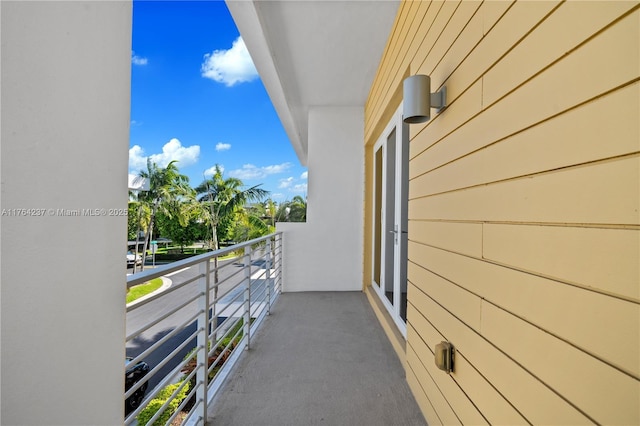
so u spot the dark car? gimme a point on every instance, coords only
(133, 374)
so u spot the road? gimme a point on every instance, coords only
(142, 315)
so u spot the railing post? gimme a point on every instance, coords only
(279, 265)
(247, 295)
(268, 276)
(214, 304)
(202, 374)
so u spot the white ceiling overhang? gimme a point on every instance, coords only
(314, 53)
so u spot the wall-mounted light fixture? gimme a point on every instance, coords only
(444, 356)
(418, 99)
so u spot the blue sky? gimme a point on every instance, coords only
(197, 98)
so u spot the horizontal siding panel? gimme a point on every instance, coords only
(421, 398)
(558, 34)
(405, 41)
(602, 392)
(461, 16)
(492, 11)
(464, 410)
(493, 406)
(511, 27)
(605, 193)
(460, 302)
(375, 97)
(465, 238)
(605, 326)
(553, 144)
(463, 44)
(440, 404)
(460, 45)
(437, 26)
(527, 394)
(609, 60)
(607, 259)
(466, 107)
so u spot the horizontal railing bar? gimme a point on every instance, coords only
(149, 397)
(165, 360)
(259, 277)
(164, 339)
(215, 363)
(223, 295)
(261, 293)
(164, 293)
(185, 401)
(227, 263)
(225, 279)
(161, 385)
(224, 335)
(218, 301)
(164, 406)
(258, 295)
(263, 289)
(162, 317)
(220, 313)
(194, 260)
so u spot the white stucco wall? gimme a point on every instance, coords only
(65, 95)
(325, 253)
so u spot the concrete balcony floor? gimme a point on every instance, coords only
(321, 358)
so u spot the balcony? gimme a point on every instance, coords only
(292, 358)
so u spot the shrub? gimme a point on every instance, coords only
(155, 404)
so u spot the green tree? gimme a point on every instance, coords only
(221, 198)
(292, 211)
(137, 218)
(174, 227)
(166, 187)
(250, 225)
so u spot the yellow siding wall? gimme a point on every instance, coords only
(524, 197)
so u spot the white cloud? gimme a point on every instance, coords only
(138, 60)
(223, 146)
(249, 171)
(229, 66)
(285, 183)
(171, 151)
(304, 175)
(137, 160)
(212, 170)
(300, 188)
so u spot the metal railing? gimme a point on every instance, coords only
(195, 330)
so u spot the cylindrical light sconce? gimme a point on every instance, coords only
(418, 99)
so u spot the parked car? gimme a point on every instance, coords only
(133, 374)
(131, 259)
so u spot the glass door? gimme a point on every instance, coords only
(391, 160)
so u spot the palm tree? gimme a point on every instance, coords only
(166, 186)
(222, 197)
(139, 216)
(292, 211)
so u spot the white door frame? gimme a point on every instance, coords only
(401, 164)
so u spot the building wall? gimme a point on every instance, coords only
(325, 253)
(524, 198)
(65, 136)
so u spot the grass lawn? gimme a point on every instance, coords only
(138, 291)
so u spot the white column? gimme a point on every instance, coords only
(325, 254)
(65, 136)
